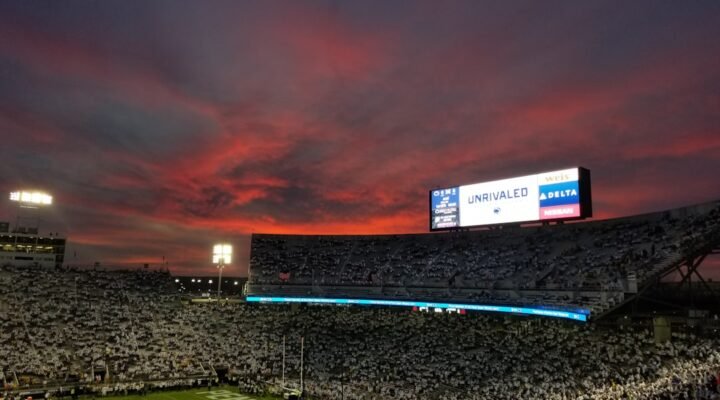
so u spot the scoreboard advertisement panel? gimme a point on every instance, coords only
(549, 196)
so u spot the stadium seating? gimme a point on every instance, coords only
(587, 264)
(63, 328)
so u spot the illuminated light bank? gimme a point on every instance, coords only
(222, 253)
(575, 316)
(32, 198)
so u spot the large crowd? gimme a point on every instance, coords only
(116, 329)
(61, 325)
(544, 264)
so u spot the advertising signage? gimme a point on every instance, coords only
(575, 315)
(549, 196)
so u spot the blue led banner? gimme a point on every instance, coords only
(575, 316)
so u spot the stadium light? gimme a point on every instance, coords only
(31, 199)
(222, 254)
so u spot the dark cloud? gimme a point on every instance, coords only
(212, 199)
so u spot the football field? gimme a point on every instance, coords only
(217, 393)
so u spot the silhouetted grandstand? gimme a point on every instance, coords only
(595, 265)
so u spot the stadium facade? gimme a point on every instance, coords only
(25, 247)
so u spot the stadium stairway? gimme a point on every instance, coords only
(665, 267)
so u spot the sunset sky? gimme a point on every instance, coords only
(162, 127)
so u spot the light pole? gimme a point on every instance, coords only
(222, 254)
(30, 200)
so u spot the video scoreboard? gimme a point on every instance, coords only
(548, 196)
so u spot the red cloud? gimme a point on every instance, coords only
(326, 45)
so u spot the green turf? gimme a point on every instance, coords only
(217, 393)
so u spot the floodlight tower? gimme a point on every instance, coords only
(30, 200)
(222, 254)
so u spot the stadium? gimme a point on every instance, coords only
(515, 308)
(359, 200)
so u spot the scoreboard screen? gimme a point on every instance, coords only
(549, 196)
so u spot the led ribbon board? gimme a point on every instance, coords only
(575, 316)
(549, 196)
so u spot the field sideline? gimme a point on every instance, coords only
(217, 393)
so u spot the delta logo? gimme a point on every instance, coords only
(558, 194)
